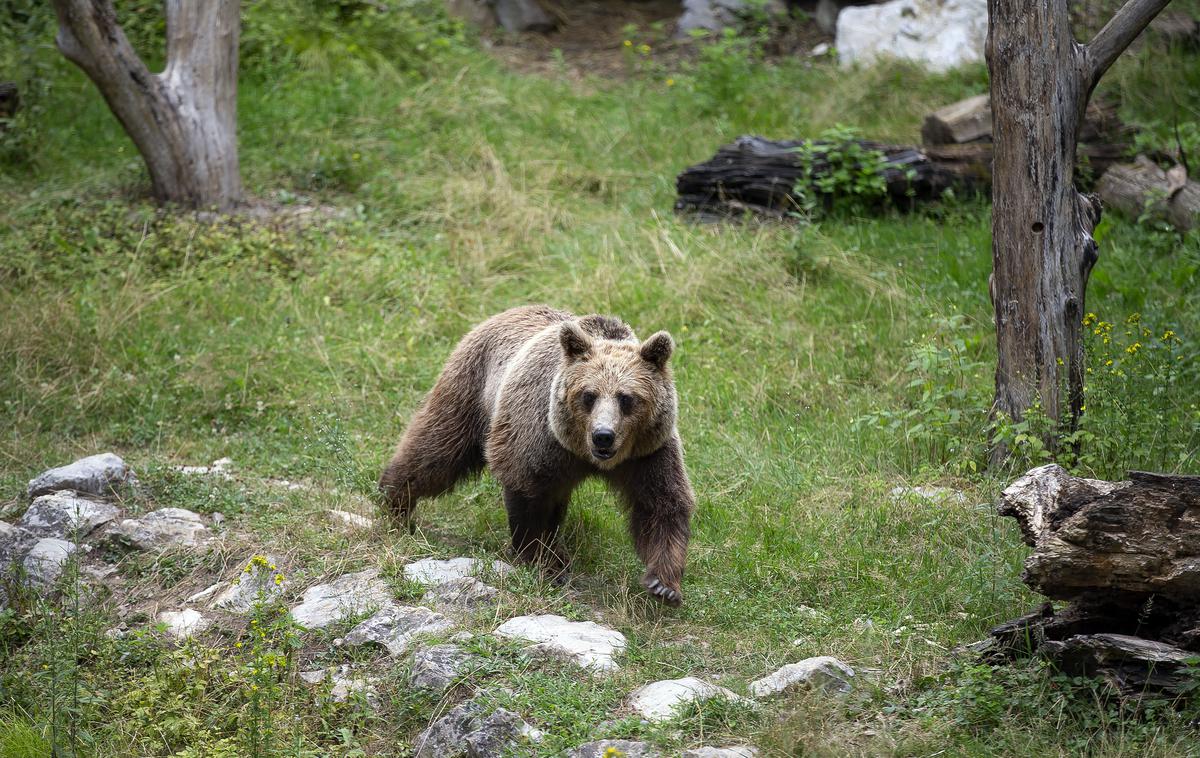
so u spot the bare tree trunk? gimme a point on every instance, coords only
(184, 120)
(1042, 246)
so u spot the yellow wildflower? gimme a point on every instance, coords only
(628, 43)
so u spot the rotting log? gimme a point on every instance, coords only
(757, 175)
(1143, 188)
(970, 120)
(1126, 558)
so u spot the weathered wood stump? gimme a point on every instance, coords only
(760, 176)
(970, 120)
(1143, 187)
(1126, 557)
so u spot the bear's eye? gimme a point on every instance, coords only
(588, 399)
(627, 403)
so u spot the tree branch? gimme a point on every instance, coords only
(1125, 25)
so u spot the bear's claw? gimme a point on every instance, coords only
(661, 591)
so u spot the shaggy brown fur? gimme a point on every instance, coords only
(547, 399)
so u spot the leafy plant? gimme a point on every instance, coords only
(838, 168)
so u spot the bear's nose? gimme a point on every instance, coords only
(603, 437)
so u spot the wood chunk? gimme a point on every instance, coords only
(1142, 187)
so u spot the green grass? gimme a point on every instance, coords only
(807, 355)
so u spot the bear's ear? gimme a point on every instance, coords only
(658, 348)
(575, 342)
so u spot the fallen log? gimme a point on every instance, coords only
(761, 176)
(970, 120)
(1143, 188)
(1126, 557)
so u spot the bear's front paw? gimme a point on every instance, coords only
(655, 587)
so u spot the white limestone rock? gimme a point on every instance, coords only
(184, 623)
(660, 701)
(939, 34)
(439, 666)
(432, 572)
(610, 748)
(396, 626)
(736, 751)
(260, 581)
(45, 561)
(220, 468)
(348, 520)
(94, 475)
(15, 542)
(462, 593)
(716, 15)
(346, 596)
(586, 643)
(161, 530)
(464, 732)
(823, 673)
(66, 515)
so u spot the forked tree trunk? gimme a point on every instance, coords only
(184, 120)
(1042, 246)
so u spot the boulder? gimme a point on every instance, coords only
(939, 35)
(717, 15)
(45, 561)
(586, 643)
(432, 571)
(346, 596)
(66, 515)
(260, 582)
(160, 530)
(660, 701)
(611, 748)
(94, 475)
(437, 667)
(396, 626)
(14, 544)
(184, 623)
(823, 673)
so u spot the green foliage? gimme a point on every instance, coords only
(945, 421)
(26, 28)
(839, 170)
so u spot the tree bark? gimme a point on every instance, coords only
(183, 120)
(1042, 246)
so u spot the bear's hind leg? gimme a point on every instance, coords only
(534, 523)
(439, 448)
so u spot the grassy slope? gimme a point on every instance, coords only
(300, 352)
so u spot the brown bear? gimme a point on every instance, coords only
(546, 399)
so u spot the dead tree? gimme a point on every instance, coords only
(183, 120)
(1042, 246)
(1123, 559)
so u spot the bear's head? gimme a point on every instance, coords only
(612, 399)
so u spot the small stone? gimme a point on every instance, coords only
(932, 494)
(218, 518)
(584, 642)
(396, 626)
(204, 594)
(66, 515)
(45, 561)
(464, 732)
(314, 677)
(346, 683)
(813, 614)
(161, 530)
(465, 592)
(437, 667)
(347, 520)
(736, 751)
(446, 736)
(820, 49)
(611, 748)
(218, 468)
(659, 701)
(94, 475)
(462, 636)
(259, 582)
(432, 572)
(346, 596)
(824, 673)
(499, 734)
(185, 623)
